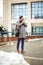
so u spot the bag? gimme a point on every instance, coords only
(17, 31)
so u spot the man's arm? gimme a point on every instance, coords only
(25, 24)
(19, 24)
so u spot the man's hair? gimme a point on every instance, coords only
(20, 17)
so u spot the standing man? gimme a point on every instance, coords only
(21, 25)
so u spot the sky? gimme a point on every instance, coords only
(1, 8)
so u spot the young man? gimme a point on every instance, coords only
(21, 25)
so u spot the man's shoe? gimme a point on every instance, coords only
(18, 51)
(22, 52)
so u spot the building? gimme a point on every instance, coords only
(32, 10)
(1, 21)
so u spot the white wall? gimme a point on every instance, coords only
(7, 14)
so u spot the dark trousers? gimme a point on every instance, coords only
(22, 43)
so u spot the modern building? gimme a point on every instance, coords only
(32, 10)
(1, 21)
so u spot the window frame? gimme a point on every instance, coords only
(39, 32)
(31, 9)
(16, 4)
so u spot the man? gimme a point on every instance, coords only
(21, 25)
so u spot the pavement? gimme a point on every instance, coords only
(33, 50)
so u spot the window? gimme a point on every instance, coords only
(19, 9)
(37, 30)
(37, 10)
(13, 29)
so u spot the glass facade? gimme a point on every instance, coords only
(37, 30)
(19, 9)
(37, 10)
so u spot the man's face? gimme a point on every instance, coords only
(22, 19)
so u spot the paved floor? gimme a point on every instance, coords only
(33, 51)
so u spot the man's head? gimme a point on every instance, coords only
(21, 18)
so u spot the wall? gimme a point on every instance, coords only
(7, 14)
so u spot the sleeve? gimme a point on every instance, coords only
(19, 24)
(25, 24)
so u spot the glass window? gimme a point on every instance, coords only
(37, 8)
(18, 10)
(37, 30)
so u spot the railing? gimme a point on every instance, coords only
(37, 33)
(11, 34)
(8, 34)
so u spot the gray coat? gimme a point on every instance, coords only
(21, 27)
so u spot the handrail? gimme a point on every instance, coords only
(12, 34)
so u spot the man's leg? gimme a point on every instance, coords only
(22, 45)
(18, 43)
